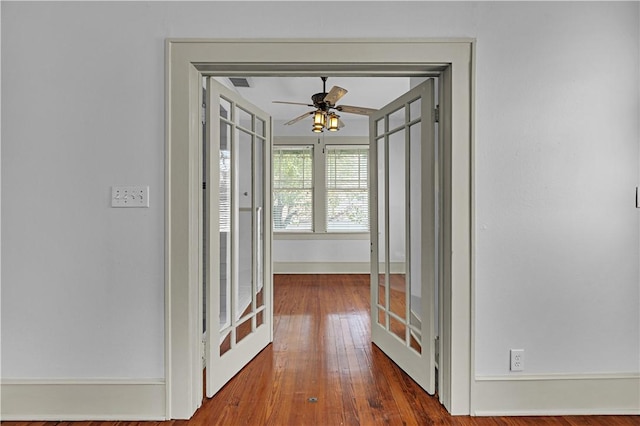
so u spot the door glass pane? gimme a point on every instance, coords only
(225, 109)
(382, 319)
(397, 224)
(415, 222)
(245, 228)
(225, 345)
(225, 224)
(243, 330)
(244, 119)
(380, 127)
(397, 119)
(398, 328)
(260, 297)
(260, 127)
(382, 282)
(398, 294)
(259, 318)
(414, 341)
(259, 181)
(415, 110)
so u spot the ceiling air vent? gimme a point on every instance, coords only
(240, 81)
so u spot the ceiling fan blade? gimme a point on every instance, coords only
(340, 124)
(291, 103)
(355, 109)
(295, 120)
(334, 95)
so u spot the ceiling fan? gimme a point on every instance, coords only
(324, 115)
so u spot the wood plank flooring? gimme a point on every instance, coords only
(322, 350)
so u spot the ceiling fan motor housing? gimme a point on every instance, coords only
(318, 101)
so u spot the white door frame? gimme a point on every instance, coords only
(187, 60)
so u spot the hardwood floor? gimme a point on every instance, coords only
(322, 350)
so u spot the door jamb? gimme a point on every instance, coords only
(187, 61)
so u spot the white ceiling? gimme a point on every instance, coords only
(370, 92)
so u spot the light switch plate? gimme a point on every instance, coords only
(129, 196)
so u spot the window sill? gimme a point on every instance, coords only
(321, 235)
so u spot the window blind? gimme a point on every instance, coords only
(293, 188)
(347, 174)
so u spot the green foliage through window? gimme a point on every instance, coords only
(343, 193)
(293, 188)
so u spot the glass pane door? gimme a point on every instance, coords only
(403, 233)
(239, 323)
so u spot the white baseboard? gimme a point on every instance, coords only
(556, 395)
(46, 399)
(330, 267)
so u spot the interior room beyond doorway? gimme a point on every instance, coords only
(327, 186)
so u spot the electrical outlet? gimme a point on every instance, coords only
(129, 196)
(517, 359)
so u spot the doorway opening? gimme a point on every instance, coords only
(394, 164)
(188, 60)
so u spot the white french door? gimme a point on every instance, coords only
(239, 297)
(403, 232)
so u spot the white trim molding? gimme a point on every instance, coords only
(82, 399)
(557, 395)
(188, 60)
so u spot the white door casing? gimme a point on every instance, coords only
(188, 60)
(403, 232)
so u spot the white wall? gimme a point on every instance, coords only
(556, 163)
(82, 284)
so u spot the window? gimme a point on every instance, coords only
(292, 188)
(321, 186)
(347, 188)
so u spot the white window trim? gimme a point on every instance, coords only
(319, 198)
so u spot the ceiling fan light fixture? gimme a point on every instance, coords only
(333, 124)
(319, 119)
(324, 102)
